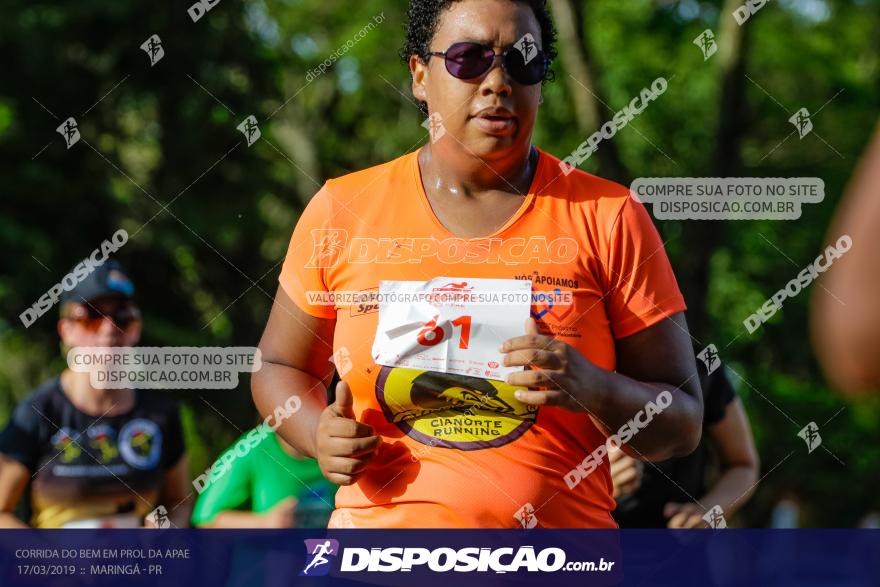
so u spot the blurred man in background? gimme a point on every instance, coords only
(95, 458)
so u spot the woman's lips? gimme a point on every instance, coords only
(495, 124)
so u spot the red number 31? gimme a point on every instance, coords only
(431, 334)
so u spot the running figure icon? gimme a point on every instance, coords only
(319, 551)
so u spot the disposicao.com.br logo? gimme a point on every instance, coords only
(444, 559)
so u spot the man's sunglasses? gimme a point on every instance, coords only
(468, 60)
(91, 318)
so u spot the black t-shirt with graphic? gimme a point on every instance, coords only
(92, 470)
(678, 480)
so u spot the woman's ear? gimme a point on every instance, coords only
(419, 72)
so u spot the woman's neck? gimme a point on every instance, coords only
(92, 401)
(459, 172)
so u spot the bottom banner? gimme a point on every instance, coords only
(276, 558)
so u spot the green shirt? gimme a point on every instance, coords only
(255, 474)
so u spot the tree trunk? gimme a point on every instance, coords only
(589, 105)
(704, 236)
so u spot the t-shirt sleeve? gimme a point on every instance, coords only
(228, 485)
(642, 289)
(20, 439)
(315, 247)
(174, 445)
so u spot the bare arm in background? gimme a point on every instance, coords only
(732, 437)
(282, 515)
(845, 311)
(175, 494)
(14, 478)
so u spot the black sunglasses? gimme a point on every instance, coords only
(467, 60)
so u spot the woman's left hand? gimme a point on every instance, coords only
(564, 377)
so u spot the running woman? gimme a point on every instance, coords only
(420, 448)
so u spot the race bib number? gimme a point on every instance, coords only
(450, 325)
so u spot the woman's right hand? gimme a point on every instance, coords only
(344, 445)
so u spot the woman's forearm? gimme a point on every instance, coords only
(662, 421)
(654, 421)
(733, 489)
(273, 385)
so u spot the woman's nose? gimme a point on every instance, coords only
(497, 80)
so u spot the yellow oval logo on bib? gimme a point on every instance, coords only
(452, 411)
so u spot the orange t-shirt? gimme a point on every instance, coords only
(477, 465)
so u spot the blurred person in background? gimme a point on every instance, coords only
(845, 311)
(87, 457)
(662, 494)
(263, 482)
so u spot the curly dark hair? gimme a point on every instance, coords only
(423, 18)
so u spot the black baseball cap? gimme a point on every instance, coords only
(109, 279)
